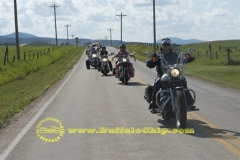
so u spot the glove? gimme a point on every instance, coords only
(150, 63)
(189, 58)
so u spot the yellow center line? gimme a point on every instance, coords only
(210, 124)
(220, 138)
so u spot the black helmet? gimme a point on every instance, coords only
(103, 47)
(122, 46)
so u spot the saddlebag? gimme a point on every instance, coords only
(148, 93)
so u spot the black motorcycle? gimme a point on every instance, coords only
(171, 99)
(105, 69)
(93, 61)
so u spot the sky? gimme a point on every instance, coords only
(206, 20)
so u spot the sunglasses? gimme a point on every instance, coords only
(166, 39)
(166, 44)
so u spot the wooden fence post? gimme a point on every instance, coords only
(228, 54)
(13, 58)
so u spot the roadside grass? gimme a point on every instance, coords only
(38, 58)
(18, 93)
(216, 70)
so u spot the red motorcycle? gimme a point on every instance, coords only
(124, 71)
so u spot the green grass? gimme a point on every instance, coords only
(215, 70)
(11, 70)
(45, 71)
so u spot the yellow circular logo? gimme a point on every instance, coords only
(50, 130)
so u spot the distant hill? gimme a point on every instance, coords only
(38, 43)
(21, 35)
(25, 38)
(181, 41)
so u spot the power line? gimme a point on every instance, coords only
(110, 34)
(67, 25)
(40, 7)
(121, 23)
(54, 6)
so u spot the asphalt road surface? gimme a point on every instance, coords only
(85, 99)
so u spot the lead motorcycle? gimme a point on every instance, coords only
(171, 99)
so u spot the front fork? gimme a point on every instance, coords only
(122, 71)
(159, 100)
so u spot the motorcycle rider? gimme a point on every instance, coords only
(93, 51)
(171, 57)
(104, 52)
(120, 54)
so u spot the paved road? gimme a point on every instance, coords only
(85, 99)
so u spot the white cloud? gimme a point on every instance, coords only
(222, 3)
(220, 12)
(209, 4)
(92, 18)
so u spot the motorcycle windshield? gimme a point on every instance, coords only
(123, 58)
(179, 62)
(104, 56)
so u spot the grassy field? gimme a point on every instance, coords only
(27, 80)
(216, 70)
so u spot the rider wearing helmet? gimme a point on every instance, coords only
(104, 52)
(171, 57)
(120, 54)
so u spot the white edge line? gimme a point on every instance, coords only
(17, 139)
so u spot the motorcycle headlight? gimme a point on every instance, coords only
(175, 72)
(124, 60)
(104, 60)
(94, 55)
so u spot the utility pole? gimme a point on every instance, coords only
(106, 39)
(67, 31)
(121, 23)
(110, 34)
(16, 30)
(54, 6)
(154, 27)
(72, 38)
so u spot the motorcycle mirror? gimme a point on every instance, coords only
(149, 54)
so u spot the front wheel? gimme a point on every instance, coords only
(125, 76)
(87, 64)
(105, 70)
(181, 110)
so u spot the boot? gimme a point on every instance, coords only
(153, 106)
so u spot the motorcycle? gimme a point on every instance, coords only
(93, 61)
(105, 65)
(171, 99)
(124, 70)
